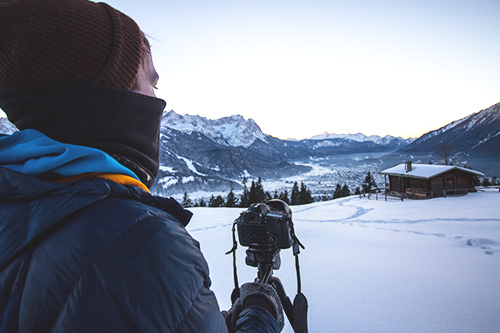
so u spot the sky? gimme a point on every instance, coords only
(300, 68)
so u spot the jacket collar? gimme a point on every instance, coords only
(33, 153)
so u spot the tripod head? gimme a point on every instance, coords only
(265, 260)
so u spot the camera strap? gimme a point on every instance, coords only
(236, 292)
(300, 305)
(296, 245)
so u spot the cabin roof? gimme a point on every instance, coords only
(425, 171)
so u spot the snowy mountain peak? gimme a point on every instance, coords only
(229, 131)
(359, 137)
(355, 137)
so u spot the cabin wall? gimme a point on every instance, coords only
(452, 182)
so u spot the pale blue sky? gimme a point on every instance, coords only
(303, 67)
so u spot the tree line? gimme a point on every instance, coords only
(255, 193)
(299, 195)
(486, 181)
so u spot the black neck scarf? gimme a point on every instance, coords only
(124, 124)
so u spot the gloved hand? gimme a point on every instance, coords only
(256, 294)
(231, 316)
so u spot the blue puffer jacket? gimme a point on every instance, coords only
(96, 256)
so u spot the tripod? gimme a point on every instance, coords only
(266, 261)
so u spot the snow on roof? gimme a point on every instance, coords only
(425, 171)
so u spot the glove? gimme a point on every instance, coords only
(255, 294)
(264, 296)
(231, 316)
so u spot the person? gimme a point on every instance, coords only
(84, 246)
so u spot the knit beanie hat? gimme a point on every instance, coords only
(48, 41)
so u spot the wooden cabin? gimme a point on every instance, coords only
(424, 181)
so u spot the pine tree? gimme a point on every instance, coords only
(231, 199)
(202, 203)
(216, 201)
(305, 196)
(245, 196)
(338, 189)
(186, 202)
(345, 192)
(284, 196)
(486, 181)
(256, 193)
(369, 183)
(294, 198)
(261, 195)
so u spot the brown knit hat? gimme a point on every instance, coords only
(44, 41)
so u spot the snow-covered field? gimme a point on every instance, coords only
(380, 266)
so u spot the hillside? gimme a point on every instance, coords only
(473, 140)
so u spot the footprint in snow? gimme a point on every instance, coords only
(483, 244)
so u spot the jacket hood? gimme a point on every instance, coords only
(33, 153)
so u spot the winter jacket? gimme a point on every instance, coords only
(96, 256)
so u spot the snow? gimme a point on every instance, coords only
(355, 137)
(380, 266)
(167, 169)
(187, 179)
(327, 143)
(425, 171)
(485, 140)
(447, 127)
(190, 165)
(167, 181)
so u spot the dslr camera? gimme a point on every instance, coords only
(266, 226)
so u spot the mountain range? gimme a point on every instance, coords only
(477, 135)
(200, 154)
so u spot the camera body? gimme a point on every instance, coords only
(266, 226)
